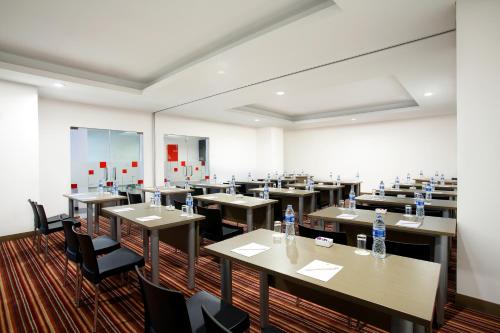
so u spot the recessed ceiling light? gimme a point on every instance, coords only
(58, 85)
(429, 93)
(280, 93)
(221, 71)
(353, 119)
(257, 120)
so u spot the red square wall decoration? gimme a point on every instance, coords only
(124, 171)
(207, 177)
(203, 163)
(183, 163)
(140, 182)
(102, 165)
(172, 153)
(135, 164)
(196, 168)
(73, 186)
(176, 169)
(109, 183)
(91, 172)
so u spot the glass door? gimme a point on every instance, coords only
(186, 157)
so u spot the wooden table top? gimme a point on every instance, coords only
(342, 181)
(169, 218)
(396, 285)
(428, 179)
(212, 185)
(170, 190)
(437, 186)
(252, 182)
(316, 186)
(95, 197)
(234, 200)
(434, 226)
(395, 201)
(408, 191)
(285, 192)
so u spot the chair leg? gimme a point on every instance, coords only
(35, 232)
(65, 271)
(96, 303)
(77, 285)
(46, 247)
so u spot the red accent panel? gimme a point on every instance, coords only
(109, 183)
(134, 164)
(140, 181)
(102, 165)
(183, 163)
(164, 180)
(91, 172)
(196, 168)
(73, 186)
(172, 153)
(203, 163)
(124, 171)
(176, 169)
(207, 177)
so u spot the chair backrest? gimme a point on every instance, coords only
(278, 210)
(164, 310)
(415, 251)
(72, 245)
(125, 194)
(36, 219)
(197, 191)
(134, 198)
(178, 204)
(90, 268)
(338, 237)
(212, 325)
(211, 228)
(42, 218)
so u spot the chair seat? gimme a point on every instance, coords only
(104, 244)
(229, 316)
(229, 231)
(54, 227)
(118, 261)
(57, 218)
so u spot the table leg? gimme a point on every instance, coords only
(441, 256)
(331, 198)
(264, 299)
(71, 208)
(446, 213)
(113, 225)
(143, 196)
(167, 199)
(145, 244)
(339, 195)
(226, 280)
(313, 202)
(155, 252)
(269, 216)
(255, 194)
(204, 190)
(191, 255)
(358, 189)
(249, 219)
(301, 209)
(90, 219)
(222, 190)
(96, 218)
(118, 229)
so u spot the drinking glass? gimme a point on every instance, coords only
(361, 238)
(274, 185)
(408, 210)
(184, 211)
(341, 203)
(277, 226)
(227, 190)
(374, 192)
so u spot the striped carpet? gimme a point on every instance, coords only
(34, 300)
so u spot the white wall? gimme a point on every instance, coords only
(19, 151)
(379, 151)
(56, 118)
(478, 107)
(232, 149)
(270, 151)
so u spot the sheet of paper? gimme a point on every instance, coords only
(250, 250)
(347, 216)
(148, 218)
(408, 224)
(211, 197)
(125, 209)
(238, 202)
(320, 270)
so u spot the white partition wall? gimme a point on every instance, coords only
(19, 151)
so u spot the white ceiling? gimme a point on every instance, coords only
(167, 55)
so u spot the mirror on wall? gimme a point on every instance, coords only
(186, 157)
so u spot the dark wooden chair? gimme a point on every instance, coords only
(213, 228)
(338, 237)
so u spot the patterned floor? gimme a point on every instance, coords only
(34, 300)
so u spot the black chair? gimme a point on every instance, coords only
(410, 250)
(36, 220)
(278, 209)
(213, 228)
(134, 198)
(338, 237)
(125, 194)
(96, 269)
(102, 245)
(167, 311)
(178, 204)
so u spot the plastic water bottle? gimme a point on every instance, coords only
(396, 183)
(357, 175)
(428, 192)
(166, 183)
(289, 223)
(279, 182)
(408, 178)
(186, 184)
(436, 174)
(382, 189)
(268, 177)
(189, 204)
(233, 180)
(266, 192)
(352, 199)
(115, 188)
(311, 184)
(215, 178)
(421, 173)
(442, 179)
(338, 180)
(249, 176)
(157, 197)
(378, 233)
(100, 188)
(420, 213)
(433, 184)
(331, 176)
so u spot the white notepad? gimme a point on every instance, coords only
(250, 250)
(211, 197)
(320, 270)
(238, 202)
(148, 218)
(347, 216)
(126, 209)
(408, 224)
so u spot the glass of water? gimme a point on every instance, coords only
(277, 227)
(184, 210)
(341, 203)
(374, 192)
(408, 210)
(361, 245)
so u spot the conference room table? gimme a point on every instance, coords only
(331, 189)
(249, 204)
(168, 226)
(448, 195)
(436, 231)
(214, 186)
(437, 179)
(445, 206)
(356, 183)
(93, 200)
(165, 191)
(446, 187)
(395, 293)
(289, 193)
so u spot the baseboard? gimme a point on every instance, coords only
(16, 236)
(478, 305)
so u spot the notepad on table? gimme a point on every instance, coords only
(408, 224)
(250, 250)
(320, 270)
(347, 216)
(125, 209)
(148, 218)
(238, 202)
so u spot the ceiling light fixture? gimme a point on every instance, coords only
(58, 85)
(429, 93)
(280, 93)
